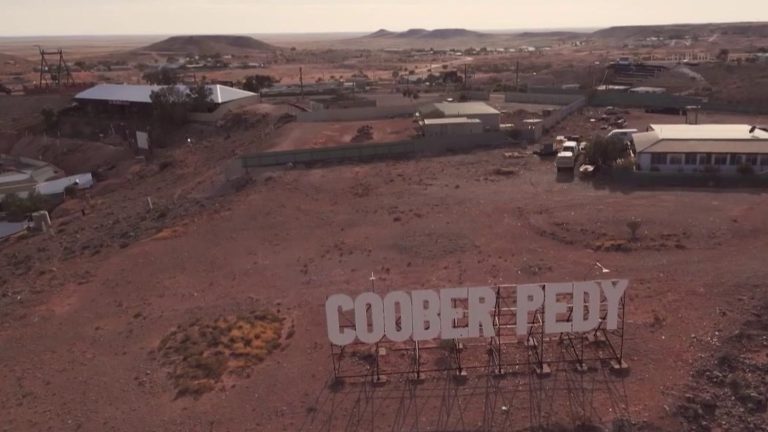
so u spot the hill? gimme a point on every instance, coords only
(437, 34)
(210, 44)
(681, 31)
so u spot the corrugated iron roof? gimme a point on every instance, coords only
(460, 109)
(707, 131)
(141, 93)
(451, 120)
(708, 138)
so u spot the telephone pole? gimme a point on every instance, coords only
(301, 82)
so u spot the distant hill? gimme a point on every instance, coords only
(438, 34)
(551, 34)
(381, 33)
(208, 44)
(756, 29)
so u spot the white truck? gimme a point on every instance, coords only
(566, 158)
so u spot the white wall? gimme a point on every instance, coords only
(490, 121)
(644, 160)
(433, 130)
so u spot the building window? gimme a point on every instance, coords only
(764, 160)
(704, 159)
(690, 158)
(736, 159)
(676, 159)
(720, 159)
(750, 159)
(658, 158)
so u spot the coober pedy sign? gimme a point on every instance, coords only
(571, 307)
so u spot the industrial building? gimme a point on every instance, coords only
(488, 116)
(127, 97)
(707, 148)
(451, 126)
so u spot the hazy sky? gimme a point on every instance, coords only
(83, 17)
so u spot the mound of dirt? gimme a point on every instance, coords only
(728, 391)
(72, 156)
(208, 44)
(202, 353)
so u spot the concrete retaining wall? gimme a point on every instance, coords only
(542, 98)
(402, 149)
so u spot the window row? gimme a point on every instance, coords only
(705, 159)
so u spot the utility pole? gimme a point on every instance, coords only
(301, 82)
(466, 76)
(517, 76)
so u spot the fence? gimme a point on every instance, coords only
(542, 98)
(642, 100)
(364, 152)
(557, 116)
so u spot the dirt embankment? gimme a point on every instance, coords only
(728, 390)
(72, 156)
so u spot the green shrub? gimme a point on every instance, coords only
(17, 208)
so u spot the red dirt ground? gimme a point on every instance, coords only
(84, 311)
(326, 134)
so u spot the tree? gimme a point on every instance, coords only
(723, 54)
(200, 98)
(605, 151)
(17, 208)
(255, 83)
(170, 105)
(50, 119)
(162, 76)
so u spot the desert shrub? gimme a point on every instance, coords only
(745, 169)
(633, 226)
(71, 191)
(625, 165)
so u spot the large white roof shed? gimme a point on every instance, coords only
(140, 93)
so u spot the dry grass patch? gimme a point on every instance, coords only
(202, 353)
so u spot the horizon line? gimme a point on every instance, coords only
(519, 29)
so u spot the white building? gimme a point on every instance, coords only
(490, 117)
(451, 126)
(721, 148)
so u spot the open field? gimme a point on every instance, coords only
(182, 294)
(318, 135)
(96, 314)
